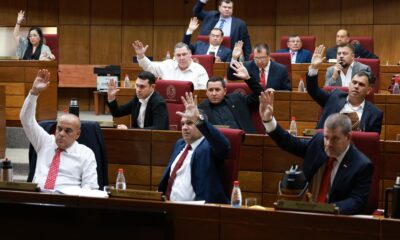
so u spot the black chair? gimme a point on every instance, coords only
(91, 136)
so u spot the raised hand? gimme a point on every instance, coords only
(237, 50)
(191, 111)
(193, 25)
(240, 70)
(21, 17)
(112, 89)
(41, 81)
(317, 57)
(139, 48)
(266, 105)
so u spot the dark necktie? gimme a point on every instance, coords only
(53, 170)
(326, 181)
(222, 22)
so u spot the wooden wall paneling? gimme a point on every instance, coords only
(169, 13)
(289, 12)
(386, 12)
(156, 175)
(2, 123)
(84, 96)
(277, 160)
(288, 30)
(386, 43)
(360, 30)
(165, 38)
(131, 34)
(271, 182)
(9, 11)
(357, 11)
(137, 13)
(250, 181)
(74, 12)
(104, 12)
(134, 174)
(105, 45)
(162, 145)
(256, 12)
(325, 35)
(262, 34)
(42, 13)
(391, 165)
(74, 42)
(324, 13)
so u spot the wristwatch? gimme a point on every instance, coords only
(200, 120)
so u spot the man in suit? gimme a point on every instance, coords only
(367, 117)
(148, 109)
(233, 110)
(195, 169)
(233, 27)
(339, 173)
(268, 73)
(345, 68)
(214, 47)
(343, 37)
(297, 54)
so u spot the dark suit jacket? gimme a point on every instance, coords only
(238, 31)
(278, 77)
(207, 165)
(351, 185)
(201, 47)
(156, 114)
(240, 106)
(359, 52)
(303, 55)
(333, 102)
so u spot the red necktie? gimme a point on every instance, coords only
(262, 79)
(326, 181)
(176, 168)
(53, 170)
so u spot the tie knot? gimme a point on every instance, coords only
(188, 147)
(331, 160)
(59, 150)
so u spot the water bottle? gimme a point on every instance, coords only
(396, 89)
(236, 197)
(6, 171)
(293, 127)
(127, 81)
(73, 107)
(120, 183)
(301, 87)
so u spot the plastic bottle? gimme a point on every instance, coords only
(236, 197)
(127, 81)
(73, 107)
(120, 183)
(301, 87)
(396, 89)
(293, 127)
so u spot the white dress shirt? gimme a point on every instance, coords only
(348, 108)
(169, 70)
(77, 163)
(182, 190)
(142, 110)
(346, 78)
(293, 56)
(226, 28)
(213, 49)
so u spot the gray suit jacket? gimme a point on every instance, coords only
(357, 67)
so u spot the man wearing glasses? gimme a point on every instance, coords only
(271, 75)
(297, 54)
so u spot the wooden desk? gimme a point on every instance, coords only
(17, 77)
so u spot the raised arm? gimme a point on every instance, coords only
(198, 9)
(20, 18)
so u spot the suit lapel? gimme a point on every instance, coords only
(342, 171)
(365, 114)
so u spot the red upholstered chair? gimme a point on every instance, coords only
(366, 42)
(374, 64)
(51, 40)
(308, 42)
(369, 97)
(231, 166)
(283, 58)
(226, 42)
(243, 89)
(171, 91)
(207, 61)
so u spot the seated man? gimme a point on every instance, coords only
(338, 172)
(268, 73)
(233, 110)
(61, 161)
(214, 47)
(343, 37)
(297, 54)
(345, 68)
(364, 115)
(196, 166)
(148, 109)
(181, 67)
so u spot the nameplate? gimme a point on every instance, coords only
(106, 124)
(137, 194)
(9, 58)
(301, 206)
(21, 186)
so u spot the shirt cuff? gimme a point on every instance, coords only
(312, 72)
(270, 126)
(188, 32)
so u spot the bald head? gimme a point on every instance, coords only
(68, 130)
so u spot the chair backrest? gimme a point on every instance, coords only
(374, 64)
(51, 40)
(243, 89)
(226, 42)
(365, 41)
(369, 97)
(283, 58)
(368, 143)
(91, 136)
(308, 42)
(207, 61)
(231, 166)
(172, 91)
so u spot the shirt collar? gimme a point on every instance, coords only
(196, 143)
(360, 107)
(146, 100)
(190, 68)
(341, 156)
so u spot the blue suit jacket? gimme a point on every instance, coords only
(238, 31)
(278, 77)
(303, 55)
(201, 47)
(351, 185)
(207, 165)
(333, 102)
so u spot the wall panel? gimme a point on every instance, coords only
(74, 12)
(357, 11)
(131, 34)
(324, 34)
(386, 12)
(9, 11)
(105, 12)
(42, 13)
(387, 44)
(105, 45)
(322, 12)
(130, 15)
(74, 42)
(170, 13)
(289, 12)
(165, 38)
(262, 34)
(256, 12)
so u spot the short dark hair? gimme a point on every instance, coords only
(338, 120)
(369, 74)
(182, 45)
(293, 35)
(219, 29)
(147, 76)
(217, 79)
(350, 46)
(224, 1)
(260, 46)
